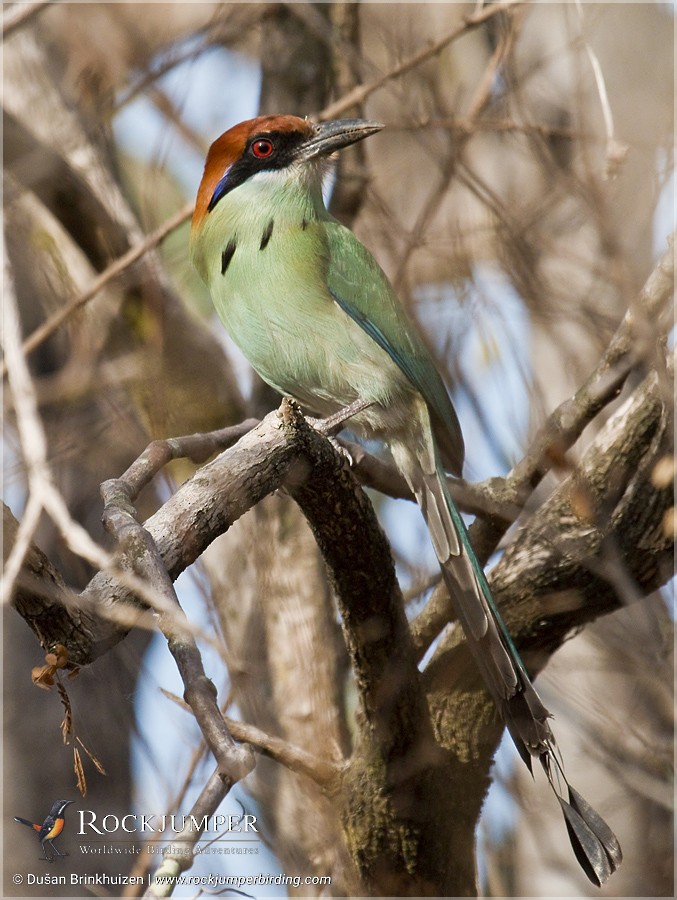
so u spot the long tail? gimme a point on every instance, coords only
(27, 823)
(520, 706)
(522, 710)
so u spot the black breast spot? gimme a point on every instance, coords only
(266, 236)
(227, 255)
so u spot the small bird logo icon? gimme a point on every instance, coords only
(50, 829)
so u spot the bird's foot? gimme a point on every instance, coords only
(340, 449)
(319, 425)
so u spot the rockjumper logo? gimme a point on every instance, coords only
(50, 829)
(135, 824)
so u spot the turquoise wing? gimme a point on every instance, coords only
(359, 286)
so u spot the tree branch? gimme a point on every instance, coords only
(195, 447)
(141, 553)
(599, 541)
(201, 509)
(564, 568)
(630, 348)
(21, 13)
(361, 569)
(321, 771)
(359, 94)
(116, 268)
(180, 856)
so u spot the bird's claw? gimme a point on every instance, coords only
(319, 425)
(342, 451)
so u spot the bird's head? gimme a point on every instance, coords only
(286, 145)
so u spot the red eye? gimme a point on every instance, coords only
(262, 148)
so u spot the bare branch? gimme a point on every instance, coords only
(54, 322)
(565, 565)
(321, 771)
(201, 509)
(359, 94)
(626, 351)
(435, 198)
(616, 150)
(21, 13)
(195, 447)
(180, 856)
(141, 553)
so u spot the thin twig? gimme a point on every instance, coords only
(21, 13)
(616, 150)
(166, 107)
(117, 267)
(336, 422)
(321, 771)
(461, 124)
(180, 856)
(479, 100)
(141, 550)
(195, 447)
(359, 94)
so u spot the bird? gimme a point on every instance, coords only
(318, 320)
(50, 829)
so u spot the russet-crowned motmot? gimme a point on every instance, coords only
(316, 317)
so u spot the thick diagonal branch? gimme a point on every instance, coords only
(598, 542)
(633, 347)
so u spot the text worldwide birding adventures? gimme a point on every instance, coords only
(317, 318)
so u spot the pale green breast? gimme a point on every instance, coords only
(268, 279)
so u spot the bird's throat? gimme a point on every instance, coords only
(269, 204)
